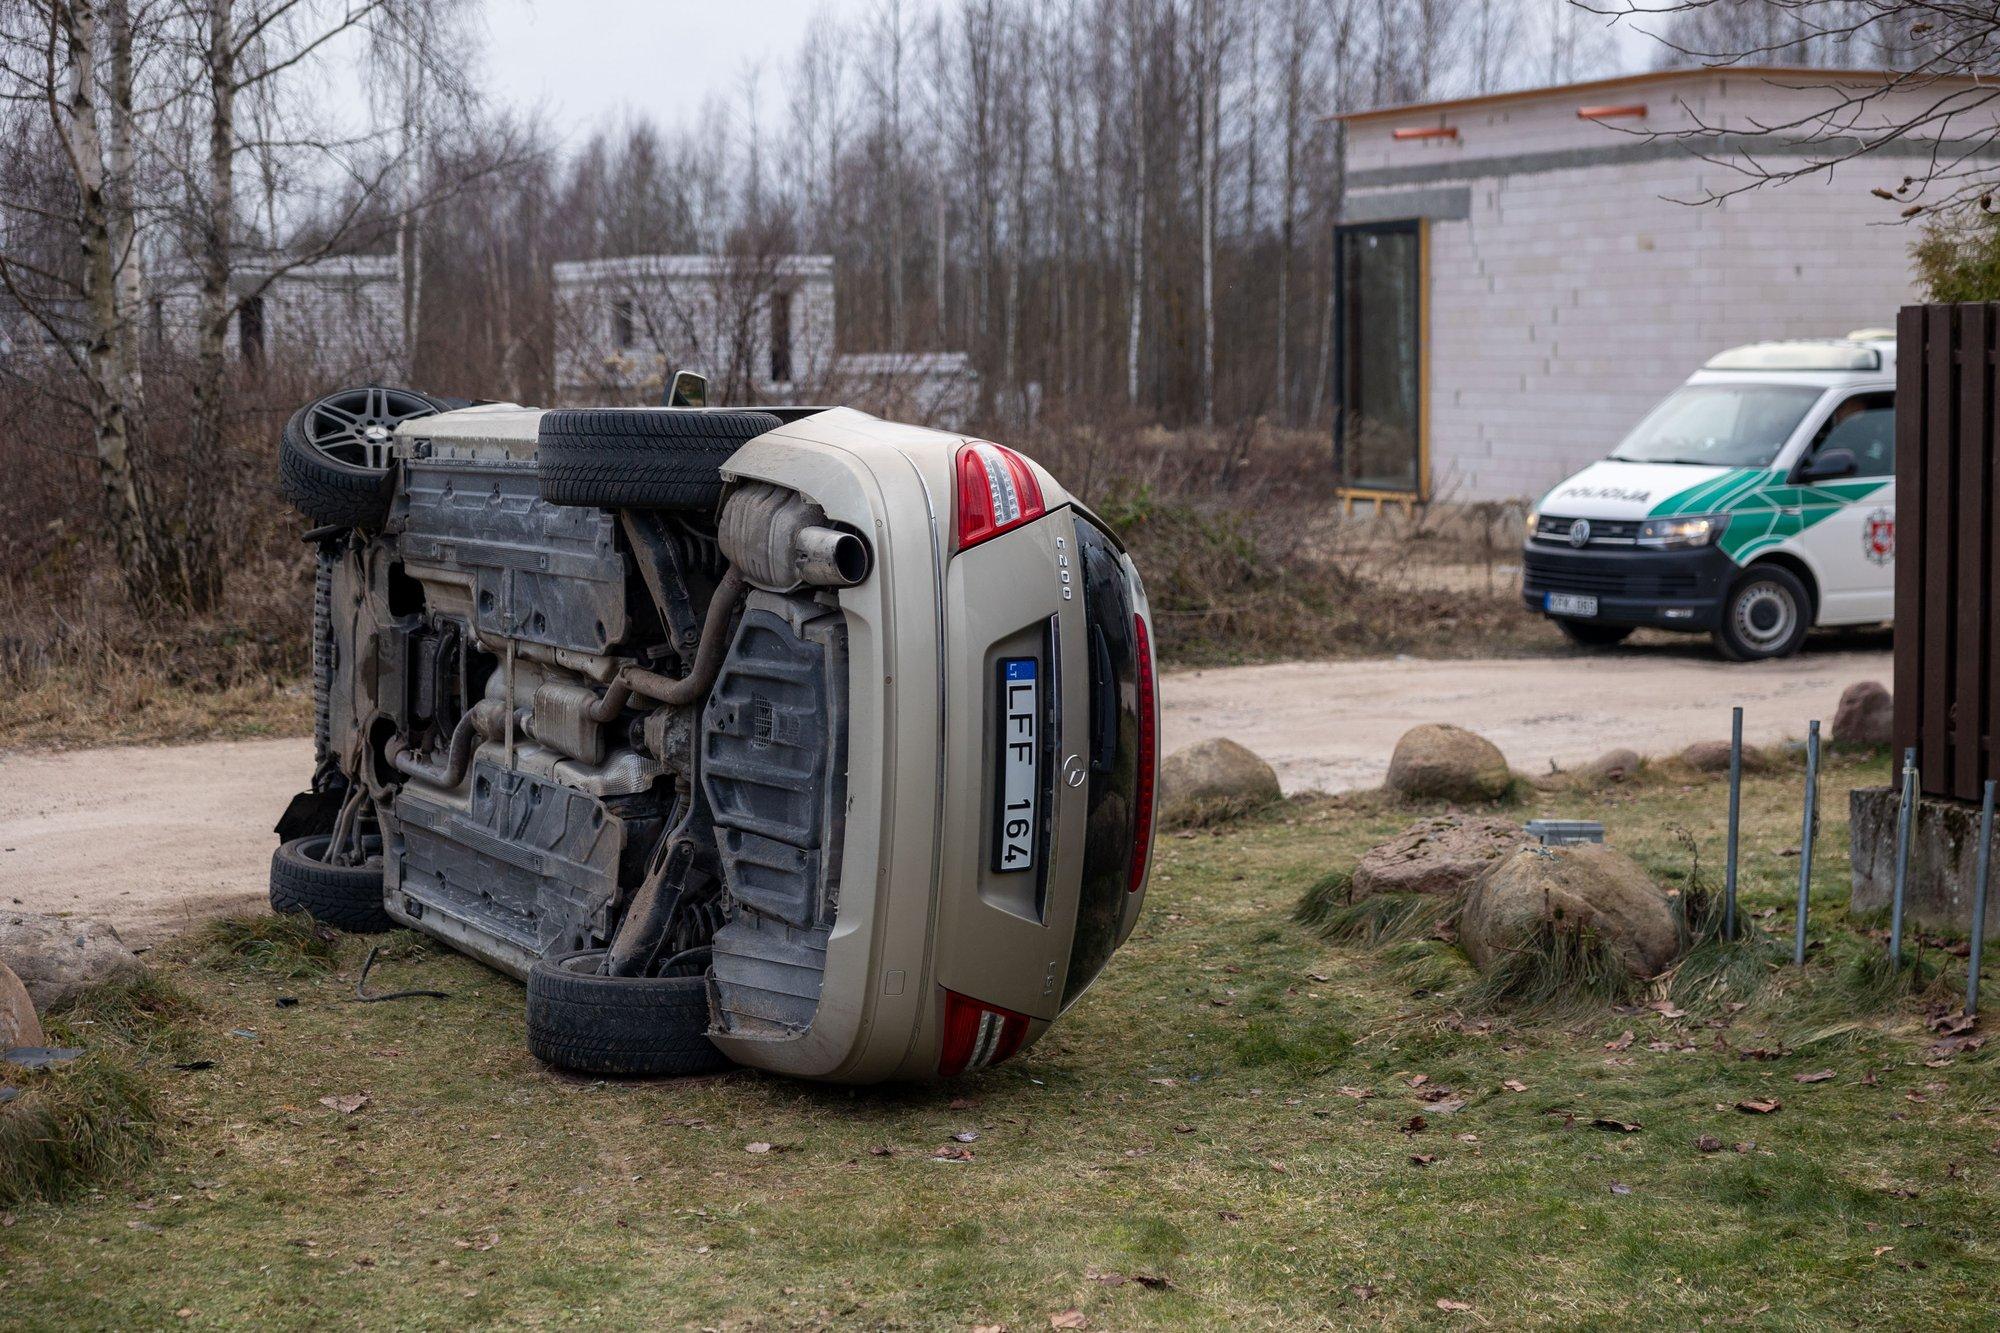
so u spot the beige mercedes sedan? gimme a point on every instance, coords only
(786, 737)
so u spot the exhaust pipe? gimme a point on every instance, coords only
(830, 558)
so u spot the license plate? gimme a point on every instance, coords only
(1570, 604)
(1020, 757)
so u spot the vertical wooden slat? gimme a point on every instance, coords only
(1973, 504)
(1989, 685)
(1911, 325)
(1940, 414)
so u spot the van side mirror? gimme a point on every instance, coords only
(687, 389)
(1829, 465)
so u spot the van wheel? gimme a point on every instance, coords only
(334, 454)
(639, 458)
(1766, 614)
(1590, 634)
(596, 1024)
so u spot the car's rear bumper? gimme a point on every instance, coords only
(921, 908)
(1678, 590)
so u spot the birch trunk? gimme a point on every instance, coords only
(107, 359)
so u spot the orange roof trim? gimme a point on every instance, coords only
(1624, 81)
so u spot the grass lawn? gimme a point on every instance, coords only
(1228, 1116)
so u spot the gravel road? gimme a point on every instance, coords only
(152, 839)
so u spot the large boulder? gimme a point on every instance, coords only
(1441, 855)
(57, 956)
(1613, 766)
(1580, 887)
(1865, 716)
(18, 1024)
(1210, 774)
(1438, 761)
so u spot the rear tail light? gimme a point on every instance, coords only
(1149, 744)
(977, 1035)
(997, 490)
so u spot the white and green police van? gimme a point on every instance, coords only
(1756, 502)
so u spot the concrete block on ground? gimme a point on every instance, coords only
(1944, 858)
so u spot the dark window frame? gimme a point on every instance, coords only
(1419, 229)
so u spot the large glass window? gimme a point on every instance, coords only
(1378, 426)
(1720, 425)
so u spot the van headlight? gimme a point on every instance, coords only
(1534, 521)
(1673, 534)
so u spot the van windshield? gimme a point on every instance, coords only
(1720, 425)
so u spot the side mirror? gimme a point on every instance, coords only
(1828, 465)
(687, 389)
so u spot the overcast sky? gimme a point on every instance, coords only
(588, 61)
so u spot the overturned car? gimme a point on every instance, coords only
(790, 737)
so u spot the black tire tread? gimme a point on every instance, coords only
(1726, 643)
(331, 495)
(347, 898)
(326, 496)
(619, 1025)
(639, 458)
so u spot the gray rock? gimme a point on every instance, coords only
(18, 1024)
(57, 956)
(1580, 887)
(1213, 773)
(1613, 766)
(1865, 716)
(1442, 762)
(1442, 855)
(1709, 756)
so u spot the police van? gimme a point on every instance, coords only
(1758, 500)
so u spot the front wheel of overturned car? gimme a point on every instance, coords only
(640, 458)
(345, 897)
(596, 1024)
(1766, 614)
(334, 454)
(1591, 634)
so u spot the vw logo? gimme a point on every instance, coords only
(1579, 532)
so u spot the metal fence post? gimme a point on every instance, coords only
(1979, 902)
(1903, 816)
(1735, 822)
(1806, 841)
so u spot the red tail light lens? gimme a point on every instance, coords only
(1149, 745)
(978, 1036)
(997, 490)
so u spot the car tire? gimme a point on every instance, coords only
(639, 458)
(347, 898)
(1591, 634)
(578, 1020)
(334, 461)
(1765, 615)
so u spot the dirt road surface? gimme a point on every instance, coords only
(152, 840)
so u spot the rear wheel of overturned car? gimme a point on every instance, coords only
(1591, 634)
(596, 1024)
(345, 897)
(1766, 614)
(641, 458)
(334, 455)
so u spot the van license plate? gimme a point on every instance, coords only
(1020, 755)
(1570, 604)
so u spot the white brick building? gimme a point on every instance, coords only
(342, 316)
(760, 329)
(1516, 286)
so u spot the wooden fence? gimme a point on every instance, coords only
(1947, 548)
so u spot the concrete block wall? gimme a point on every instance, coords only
(1574, 291)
